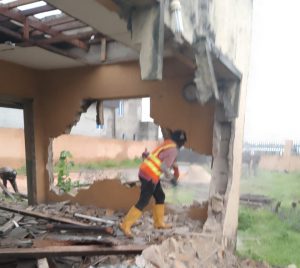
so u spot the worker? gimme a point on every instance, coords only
(145, 154)
(9, 174)
(158, 164)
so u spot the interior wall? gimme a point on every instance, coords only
(123, 81)
(58, 97)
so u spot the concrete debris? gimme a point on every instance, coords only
(186, 252)
(183, 246)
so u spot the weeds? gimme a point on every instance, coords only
(21, 170)
(64, 166)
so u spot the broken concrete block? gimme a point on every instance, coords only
(153, 255)
(179, 264)
(182, 230)
(170, 245)
(140, 261)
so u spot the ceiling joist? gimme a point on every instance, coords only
(36, 24)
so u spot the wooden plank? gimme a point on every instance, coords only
(72, 227)
(42, 216)
(10, 224)
(56, 251)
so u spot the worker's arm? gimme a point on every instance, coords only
(168, 158)
(176, 170)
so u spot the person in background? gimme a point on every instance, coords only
(159, 163)
(145, 154)
(9, 174)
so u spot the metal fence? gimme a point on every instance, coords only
(296, 148)
(270, 148)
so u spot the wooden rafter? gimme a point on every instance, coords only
(10, 33)
(55, 251)
(19, 3)
(17, 16)
(58, 39)
(69, 26)
(58, 21)
(37, 10)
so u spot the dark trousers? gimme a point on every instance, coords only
(148, 189)
(11, 178)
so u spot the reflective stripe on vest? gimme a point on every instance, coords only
(152, 164)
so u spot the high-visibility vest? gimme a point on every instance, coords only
(151, 166)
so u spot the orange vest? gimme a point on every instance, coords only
(152, 164)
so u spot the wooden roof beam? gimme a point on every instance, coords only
(17, 16)
(33, 11)
(19, 3)
(58, 39)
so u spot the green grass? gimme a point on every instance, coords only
(284, 187)
(264, 235)
(21, 170)
(128, 163)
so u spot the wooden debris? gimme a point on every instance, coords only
(15, 243)
(55, 251)
(10, 224)
(42, 216)
(81, 240)
(18, 233)
(91, 218)
(72, 227)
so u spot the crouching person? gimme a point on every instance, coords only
(9, 174)
(159, 163)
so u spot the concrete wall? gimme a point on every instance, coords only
(127, 125)
(280, 163)
(92, 149)
(57, 99)
(148, 131)
(83, 148)
(230, 22)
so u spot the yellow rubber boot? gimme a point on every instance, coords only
(132, 216)
(158, 217)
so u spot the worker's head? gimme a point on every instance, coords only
(179, 137)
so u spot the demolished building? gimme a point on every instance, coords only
(194, 71)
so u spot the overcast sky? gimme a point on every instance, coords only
(273, 99)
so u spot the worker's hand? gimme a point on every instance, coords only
(176, 172)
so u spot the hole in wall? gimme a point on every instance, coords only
(107, 142)
(111, 147)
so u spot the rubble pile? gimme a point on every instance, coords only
(63, 224)
(192, 251)
(187, 252)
